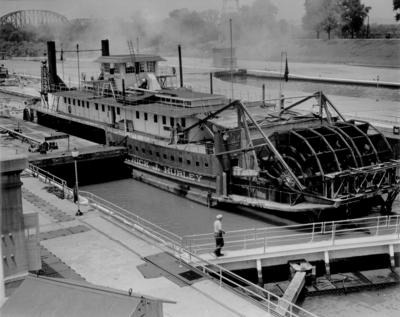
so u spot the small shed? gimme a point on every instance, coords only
(43, 296)
(222, 57)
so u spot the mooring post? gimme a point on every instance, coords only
(327, 266)
(391, 253)
(263, 95)
(259, 272)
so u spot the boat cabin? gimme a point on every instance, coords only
(136, 98)
(143, 69)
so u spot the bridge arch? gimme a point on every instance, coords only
(32, 17)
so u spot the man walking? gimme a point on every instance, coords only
(218, 232)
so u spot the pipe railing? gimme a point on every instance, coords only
(264, 299)
(225, 278)
(257, 295)
(134, 221)
(262, 238)
(53, 180)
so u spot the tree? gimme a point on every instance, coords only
(15, 37)
(353, 16)
(321, 15)
(6, 30)
(210, 16)
(312, 20)
(330, 16)
(396, 7)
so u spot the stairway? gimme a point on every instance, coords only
(56, 101)
(114, 88)
(136, 65)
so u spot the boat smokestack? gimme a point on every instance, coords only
(105, 48)
(51, 56)
(180, 64)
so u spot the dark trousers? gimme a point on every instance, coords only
(219, 242)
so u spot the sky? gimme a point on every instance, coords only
(290, 10)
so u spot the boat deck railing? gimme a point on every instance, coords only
(267, 237)
(183, 144)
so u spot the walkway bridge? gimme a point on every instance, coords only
(326, 240)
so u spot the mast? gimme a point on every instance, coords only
(230, 24)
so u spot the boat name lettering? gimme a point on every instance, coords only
(168, 170)
(141, 162)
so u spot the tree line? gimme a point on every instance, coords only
(199, 31)
(346, 18)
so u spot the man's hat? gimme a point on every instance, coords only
(219, 217)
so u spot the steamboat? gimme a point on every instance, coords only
(303, 158)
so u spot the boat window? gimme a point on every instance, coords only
(87, 104)
(97, 106)
(73, 102)
(189, 103)
(130, 68)
(79, 103)
(180, 160)
(151, 67)
(183, 122)
(167, 100)
(116, 68)
(65, 99)
(103, 108)
(106, 67)
(158, 154)
(165, 156)
(150, 152)
(206, 165)
(172, 158)
(155, 118)
(188, 162)
(108, 108)
(145, 116)
(118, 111)
(197, 164)
(164, 120)
(143, 150)
(137, 149)
(69, 100)
(137, 115)
(142, 67)
(130, 147)
(172, 121)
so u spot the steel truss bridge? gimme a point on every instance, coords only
(32, 17)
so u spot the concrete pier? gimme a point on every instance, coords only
(15, 260)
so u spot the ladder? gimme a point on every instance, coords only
(113, 86)
(56, 101)
(133, 58)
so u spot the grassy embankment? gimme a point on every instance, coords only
(358, 52)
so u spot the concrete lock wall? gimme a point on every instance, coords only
(14, 263)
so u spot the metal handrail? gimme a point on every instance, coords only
(145, 227)
(175, 242)
(135, 221)
(266, 300)
(288, 235)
